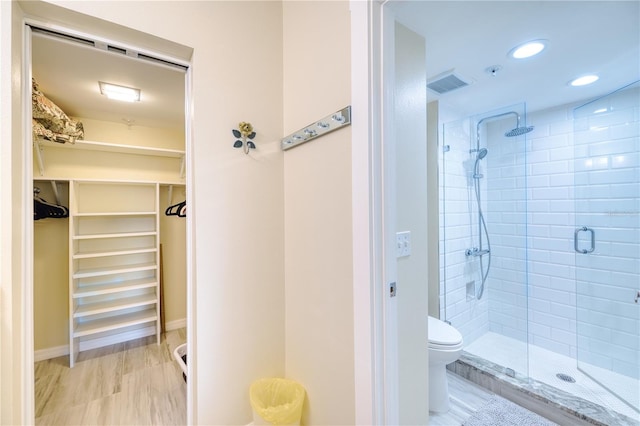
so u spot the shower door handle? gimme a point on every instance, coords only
(593, 240)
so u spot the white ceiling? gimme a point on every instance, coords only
(468, 36)
(68, 74)
(600, 37)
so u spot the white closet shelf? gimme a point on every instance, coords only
(106, 214)
(179, 182)
(115, 147)
(113, 323)
(114, 305)
(111, 288)
(117, 235)
(94, 254)
(121, 269)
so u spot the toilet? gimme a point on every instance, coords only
(445, 346)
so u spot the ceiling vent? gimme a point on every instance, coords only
(446, 82)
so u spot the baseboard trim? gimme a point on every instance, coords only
(56, 351)
(176, 324)
(48, 353)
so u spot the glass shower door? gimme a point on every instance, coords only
(607, 243)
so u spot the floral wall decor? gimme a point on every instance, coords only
(245, 133)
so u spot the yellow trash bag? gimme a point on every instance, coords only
(276, 401)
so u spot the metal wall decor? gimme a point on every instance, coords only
(245, 133)
(321, 127)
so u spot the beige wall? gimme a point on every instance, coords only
(318, 257)
(411, 215)
(51, 275)
(238, 213)
(262, 72)
(120, 133)
(173, 238)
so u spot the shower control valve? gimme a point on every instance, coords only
(475, 251)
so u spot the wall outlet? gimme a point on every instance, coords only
(403, 244)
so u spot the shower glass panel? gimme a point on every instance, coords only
(483, 223)
(607, 242)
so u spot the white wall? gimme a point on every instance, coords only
(411, 215)
(238, 214)
(458, 232)
(318, 256)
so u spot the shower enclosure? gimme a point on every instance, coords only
(483, 233)
(540, 244)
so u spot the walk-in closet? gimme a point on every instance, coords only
(109, 229)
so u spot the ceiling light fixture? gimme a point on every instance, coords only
(528, 49)
(119, 93)
(584, 80)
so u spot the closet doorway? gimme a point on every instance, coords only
(109, 232)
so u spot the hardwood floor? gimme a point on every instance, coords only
(466, 398)
(131, 383)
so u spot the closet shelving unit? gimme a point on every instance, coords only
(114, 249)
(114, 236)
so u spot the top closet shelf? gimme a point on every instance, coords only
(114, 147)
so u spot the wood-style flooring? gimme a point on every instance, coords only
(131, 383)
(140, 383)
(466, 399)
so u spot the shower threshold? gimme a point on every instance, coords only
(541, 398)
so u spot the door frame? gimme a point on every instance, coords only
(28, 234)
(373, 171)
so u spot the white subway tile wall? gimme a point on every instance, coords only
(535, 290)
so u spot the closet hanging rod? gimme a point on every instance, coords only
(56, 194)
(321, 127)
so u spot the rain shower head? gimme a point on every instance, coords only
(482, 153)
(518, 131)
(511, 133)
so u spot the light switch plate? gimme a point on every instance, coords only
(403, 244)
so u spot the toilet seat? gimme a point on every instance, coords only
(443, 336)
(435, 346)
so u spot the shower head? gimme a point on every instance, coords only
(518, 131)
(511, 133)
(482, 153)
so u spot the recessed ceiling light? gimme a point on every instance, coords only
(584, 80)
(528, 49)
(119, 93)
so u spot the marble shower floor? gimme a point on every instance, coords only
(136, 382)
(544, 365)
